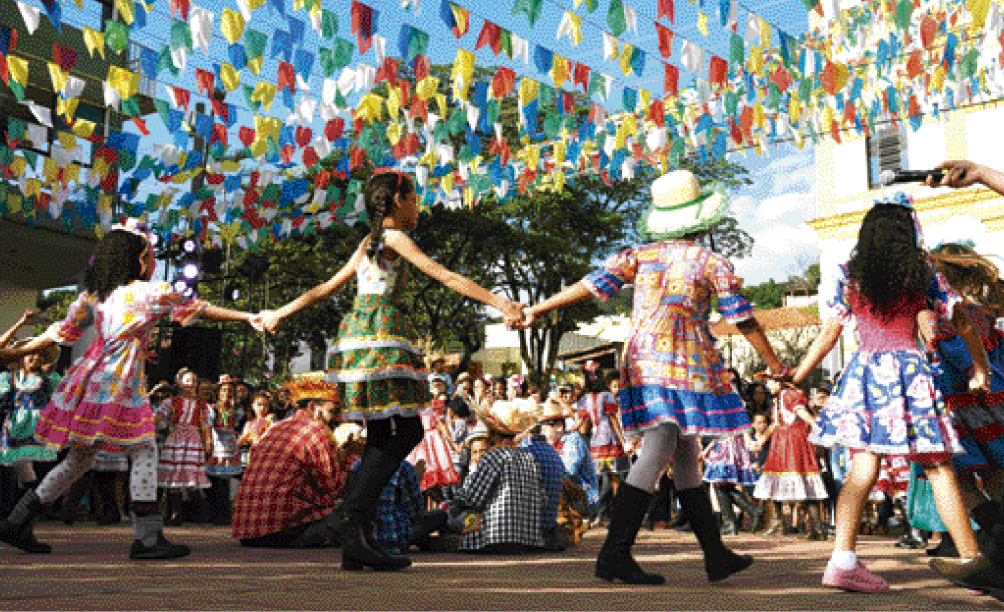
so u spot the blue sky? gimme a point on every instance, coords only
(773, 209)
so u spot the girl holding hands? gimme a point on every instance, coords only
(376, 359)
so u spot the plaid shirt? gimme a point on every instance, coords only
(400, 503)
(505, 488)
(295, 476)
(552, 472)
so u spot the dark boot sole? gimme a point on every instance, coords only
(613, 578)
(353, 565)
(739, 567)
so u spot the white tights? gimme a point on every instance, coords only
(142, 479)
(664, 446)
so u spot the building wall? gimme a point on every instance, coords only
(946, 215)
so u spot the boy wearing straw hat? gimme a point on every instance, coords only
(675, 386)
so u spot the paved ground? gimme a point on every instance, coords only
(90, 571)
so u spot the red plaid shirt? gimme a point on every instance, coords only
(295, 476)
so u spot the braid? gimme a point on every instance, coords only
(380, 192)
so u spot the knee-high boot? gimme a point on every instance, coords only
(748, 506)
(719, 561)
(358, 510)
(615, 561)
(16, 529)
(991, 521)
(729, 526)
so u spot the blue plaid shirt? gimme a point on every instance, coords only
(552, 473)
(400, 503)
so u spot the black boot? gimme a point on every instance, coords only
(749, 508)
(355, 534)
(729, 526)
(945, 548)
(16, 529)
(719, 561)
(150, 543)
(991, 521)
(175, 509)
(615, 561)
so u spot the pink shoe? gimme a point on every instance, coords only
(857, 579)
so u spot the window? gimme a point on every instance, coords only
(886, 151)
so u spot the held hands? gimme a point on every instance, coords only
(528, 317)
(265, 321)
(979, 383)
(514, 313)
(958, 174)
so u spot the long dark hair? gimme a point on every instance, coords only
(116, 262)
(970, 274)
(380, 192)
(888, 263)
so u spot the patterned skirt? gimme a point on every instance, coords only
(887, 403)
(893, 477)
(183, 460)
(791, 472)
(677, 376)
(729, 461)
(380, 370)
(17, 441)
(980, 425)
(226, 460)
(434, 450)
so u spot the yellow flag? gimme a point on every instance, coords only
(124, 81)
(447, 183)
(764, 28)
(18, 166)
(265, 127)
(95, 42)
(646, 99)
(71, 174)
(394, 132)
(254, 66)
(67, 140)
(370, 107)
(938, 80)
(264, 93)
(393, 102)
(83, 128)
(978, 10)
(444, 110)
(229, 77)
(258, 148)
(532, 156)
(232, 25)
(626, 54)
(702, 23)
(18, 68)
(559, 71)
(57, 76)
(32, 188)
(559, 152)
(528, 90)
(758, 116)
(429, 159)
(50, 170)
(559, 180)
(127, 10)
(462, 74)
(794, 110)
(100, 167)
(427, 88)
(756, 60)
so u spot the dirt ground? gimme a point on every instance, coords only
(90, 570)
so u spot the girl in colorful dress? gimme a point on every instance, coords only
(980, 423)
(225, 462)
(255, 428)
(675, 386)
(23, 395)
(376, 358)
(727, 468)
(435, 450)
(886, 402)
(791, 472)
(606, 446)
(183, 459)
(102, 398)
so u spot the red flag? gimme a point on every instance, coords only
(247, 136)
(206, 81)
(182, 6)
(362, 25)
(4, 71)
(503, 83)
(781, 78)
(580, 76)
(666, 9)
(286, 153)
(65, 58)
(670, 80)
(735, 132)
(310, 158)
(490, 35)
(141, 125)
(657, 113)
(718, 71)
(422, 68)
(219, 134)
(356, 158)
(181, 96)
(303, 135)
(387, 71)
(333, 130)
(221, 109)
(665, 40)
(285, 77)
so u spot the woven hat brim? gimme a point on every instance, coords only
(713, 209)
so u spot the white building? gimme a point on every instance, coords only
(846, 187)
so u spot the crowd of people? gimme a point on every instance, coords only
(389, 453)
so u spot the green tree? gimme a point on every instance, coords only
(766, 295)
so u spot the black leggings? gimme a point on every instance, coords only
(395, 436)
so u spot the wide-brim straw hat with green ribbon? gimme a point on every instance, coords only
(680, 206)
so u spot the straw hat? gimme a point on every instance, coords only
(509, 418)
(680, 206)
(49, 354)
(480, 432)
(553, 409)
(310, 388)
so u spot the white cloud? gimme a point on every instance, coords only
(801, 205)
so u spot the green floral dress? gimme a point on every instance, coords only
(375, 361)
(22, 398)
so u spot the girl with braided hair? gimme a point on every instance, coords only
(379, 366)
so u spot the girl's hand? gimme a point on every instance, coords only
(28, 315)
(513, 313)
(269, 321)
(979, 383)
(529, 317)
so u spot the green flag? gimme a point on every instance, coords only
(327, 58)
(164, 61)
(530, 7)
(343, 53)
(418, 44)
(254, 43)
(904, 12)
(116, 36)
(737, 49)
(329, 23)
(615, 17)
(181, 35)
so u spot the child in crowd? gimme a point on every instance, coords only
(255, 428)
(886, 402)
(101, 398)
(225, 461)
(376, 358)
(189, 443)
